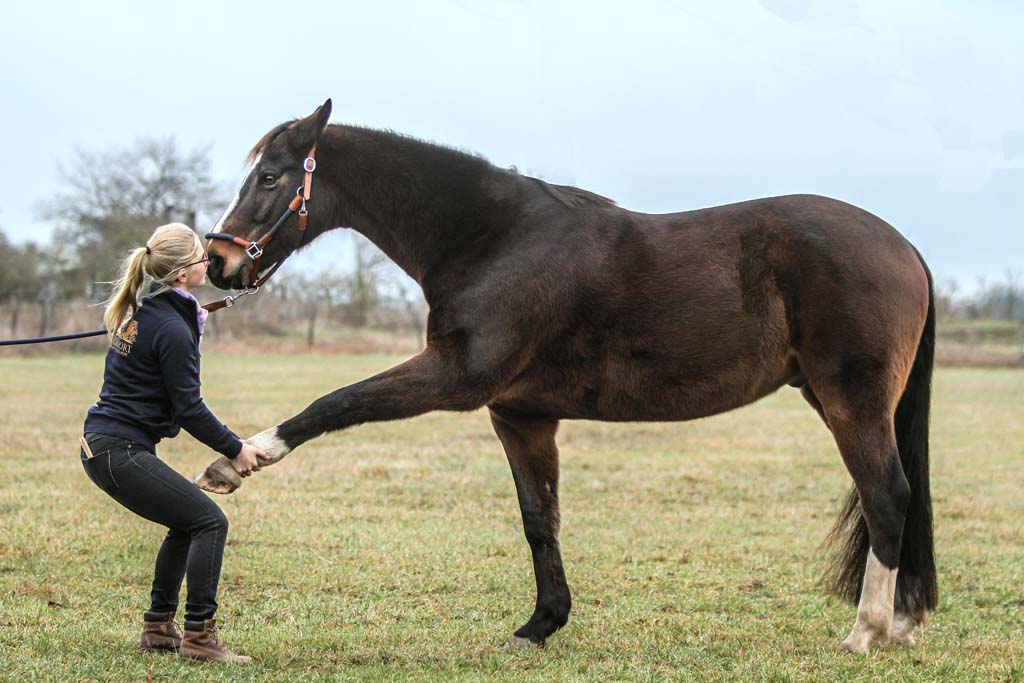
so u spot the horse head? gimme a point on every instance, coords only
(263, 225)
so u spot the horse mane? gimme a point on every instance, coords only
(573, 197)
(416, 146)
(264, 141)
(567, 195)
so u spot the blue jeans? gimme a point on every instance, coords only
(197, 528)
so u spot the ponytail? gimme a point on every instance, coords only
(170, 249)
(125, 299)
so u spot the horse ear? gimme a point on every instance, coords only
(312, 127)
(323, 115)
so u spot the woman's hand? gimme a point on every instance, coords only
(247, 460)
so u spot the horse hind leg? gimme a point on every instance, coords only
(533, 456)
(869, 451)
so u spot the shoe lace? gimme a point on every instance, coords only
(214, 635)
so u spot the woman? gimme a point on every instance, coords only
(150, 391)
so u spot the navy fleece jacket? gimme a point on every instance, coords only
(151, 380)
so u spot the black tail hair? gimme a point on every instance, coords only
(916, 585)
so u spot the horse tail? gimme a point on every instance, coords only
(916, 585)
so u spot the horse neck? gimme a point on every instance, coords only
(418, 202)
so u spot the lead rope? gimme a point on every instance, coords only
(226, 302)
(253, 250)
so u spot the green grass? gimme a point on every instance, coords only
(395, 551)
(980, 327)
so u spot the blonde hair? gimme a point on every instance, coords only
(169, 250)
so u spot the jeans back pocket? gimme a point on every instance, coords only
(99, 468)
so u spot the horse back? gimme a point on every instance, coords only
(597, 312)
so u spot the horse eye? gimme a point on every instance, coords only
(268, 179)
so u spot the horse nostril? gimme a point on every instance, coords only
(216, 264)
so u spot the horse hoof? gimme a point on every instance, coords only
(904, 626)
(856, 647)
(219, 477)
(518, 642)
(860, 641)
(904, 639)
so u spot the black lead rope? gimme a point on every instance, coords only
(63, 337)
(227, 302)
(217, 305)
(257, 250)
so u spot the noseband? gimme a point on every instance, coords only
(254, 250)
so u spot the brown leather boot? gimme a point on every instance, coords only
(205, 646)
(159, 634)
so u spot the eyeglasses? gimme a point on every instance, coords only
(205, 259)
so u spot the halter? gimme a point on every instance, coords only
(254, 250)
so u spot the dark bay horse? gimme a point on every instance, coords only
(548, 302)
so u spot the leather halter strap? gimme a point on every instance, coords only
(254, 250)
(229, 301)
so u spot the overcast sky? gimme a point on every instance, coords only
(911, 110)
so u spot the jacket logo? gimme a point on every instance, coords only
(124, 339)
(129, 332)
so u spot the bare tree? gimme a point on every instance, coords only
(415, 309)
(314, 293)
(113, 200)
(31, 275)
(364, 284)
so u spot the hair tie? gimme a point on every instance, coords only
(148, 250)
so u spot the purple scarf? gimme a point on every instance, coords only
(201, 312)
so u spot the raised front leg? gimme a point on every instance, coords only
(424, 383)
(533, 456)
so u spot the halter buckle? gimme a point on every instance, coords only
(309, 165)
(253, 251)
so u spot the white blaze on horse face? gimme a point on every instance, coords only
(874, 613)
(238, 192)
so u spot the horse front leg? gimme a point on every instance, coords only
(424, 383)
(533, 456)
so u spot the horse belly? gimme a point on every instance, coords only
(653, 387)
(653, 394)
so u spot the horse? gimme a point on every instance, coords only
(549, 302)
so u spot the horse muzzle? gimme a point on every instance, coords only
(218, 273)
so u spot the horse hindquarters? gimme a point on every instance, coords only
(885, 526)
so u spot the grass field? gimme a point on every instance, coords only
(395, 551)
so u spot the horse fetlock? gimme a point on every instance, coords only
(269, 442)
(219, 477)
(547, 618)
(555, 613)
